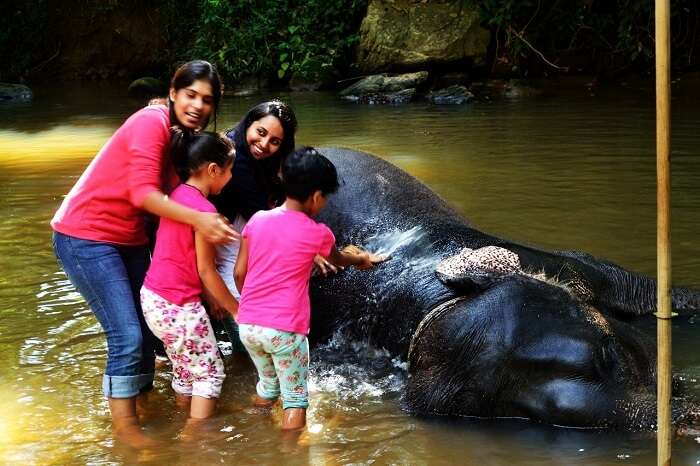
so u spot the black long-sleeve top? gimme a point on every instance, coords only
(254, 185)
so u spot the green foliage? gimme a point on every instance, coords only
(313, 39)
(610, 34)
(22, 38)
(309, 39)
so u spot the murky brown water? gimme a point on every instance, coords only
(566, 172)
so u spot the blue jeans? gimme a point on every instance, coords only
(109, 277)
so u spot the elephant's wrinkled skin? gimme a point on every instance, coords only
(490, 346)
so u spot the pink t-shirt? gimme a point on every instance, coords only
(105, 203)
(281, 248)
(173, 272)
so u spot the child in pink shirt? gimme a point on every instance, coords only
(273, 269)
(182, 269)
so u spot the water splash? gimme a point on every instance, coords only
(354, 370)
(390, 242)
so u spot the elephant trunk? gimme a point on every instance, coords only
(637, 294)
(640, 414)
(685, 299)
(615, 288)
(688, 423)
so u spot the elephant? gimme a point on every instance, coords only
(489, 328)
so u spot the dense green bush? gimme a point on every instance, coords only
(278, 38)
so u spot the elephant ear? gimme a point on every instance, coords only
(478, 267)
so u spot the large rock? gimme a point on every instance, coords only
(399, 34)
(383, 84)
(384, 89)
(147, 87)
(401, 97)
(15, 93)
(453, 95)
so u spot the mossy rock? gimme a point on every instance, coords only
(385, 84)
(147, 87)
(452, 95)
(405, 34)
(11, 93)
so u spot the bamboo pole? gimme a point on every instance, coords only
(663, 235)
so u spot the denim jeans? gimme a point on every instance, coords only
(109, 277)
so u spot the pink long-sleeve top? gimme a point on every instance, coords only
(106, 203)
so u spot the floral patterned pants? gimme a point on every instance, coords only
(282, 361)
(189, 342)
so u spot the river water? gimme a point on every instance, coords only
(568, 170)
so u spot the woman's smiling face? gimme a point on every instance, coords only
(193, 104)
(264, 137)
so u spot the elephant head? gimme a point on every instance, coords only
(526, 346)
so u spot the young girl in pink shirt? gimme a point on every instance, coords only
(272, 271)
(182, 268)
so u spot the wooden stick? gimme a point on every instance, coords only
(540, 54)
(663, 235)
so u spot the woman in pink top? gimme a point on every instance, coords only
(182, 269)
(274, 265)
(100, 240)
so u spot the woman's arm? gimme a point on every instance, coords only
(147, 142)
(211, 279)
(241, 268)
(212, 226)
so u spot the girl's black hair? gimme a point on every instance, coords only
(193, 71)
(192, 150)
(306, 171)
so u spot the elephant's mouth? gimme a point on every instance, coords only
(432, 316)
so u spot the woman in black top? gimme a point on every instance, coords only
(262, 139)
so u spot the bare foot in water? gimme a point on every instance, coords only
(200, 430)
(125, 424)
(192, 431)
(128, 431)
(294, 419)
(260, 402)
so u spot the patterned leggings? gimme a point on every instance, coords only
(189, 343)
(282, 361)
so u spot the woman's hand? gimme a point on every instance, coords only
(215, 228)
(324, 266)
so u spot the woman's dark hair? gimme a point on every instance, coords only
(256, 185)
(306, 171)
(284, 114)
(192, 150)
(193, 71)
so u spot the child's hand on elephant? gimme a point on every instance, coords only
(324, 266)
(368, 259)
